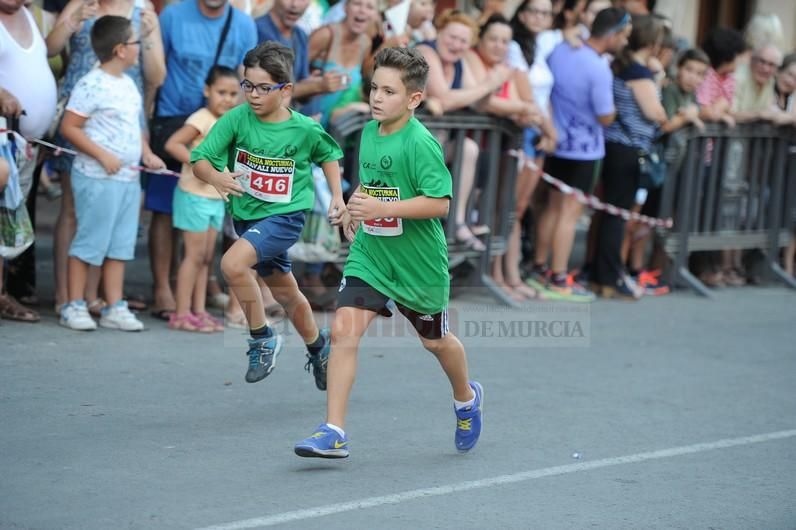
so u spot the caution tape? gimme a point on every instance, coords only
(59, 151)
(590, 200)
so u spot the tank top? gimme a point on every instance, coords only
(458, 69)
(328, 102)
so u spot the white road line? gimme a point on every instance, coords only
(396, 498)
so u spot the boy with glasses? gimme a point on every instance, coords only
(258, 157)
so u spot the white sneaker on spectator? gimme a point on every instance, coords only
(74, 315)
(118, 316)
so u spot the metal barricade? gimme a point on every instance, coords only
(497, 173)
(735, 190)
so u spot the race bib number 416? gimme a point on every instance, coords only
(387, 226)
(265, 178)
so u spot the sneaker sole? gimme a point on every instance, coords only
(113, 325)
(67, 326)
(310, 452)
(551, 294)
(480, 391)
(277, 350)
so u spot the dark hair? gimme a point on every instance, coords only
(787, 61)
(272, 57)
(219, 71)
(609, 21)
(408, 61)
(693, 54)
(109, 32)
(493, 19)
(723, 45)
(522, 35)
(561, 20)
(647, 31)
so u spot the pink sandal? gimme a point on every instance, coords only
(189, 322)
(209, 320)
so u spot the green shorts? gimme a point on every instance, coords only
(194, 213)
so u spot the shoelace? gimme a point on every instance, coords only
(464, 425)
(315, 360)
(256, 355)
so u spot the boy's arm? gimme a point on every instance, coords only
(72, 130)
(337, 208)
(364, 207)
(213, 153)
(225, 183)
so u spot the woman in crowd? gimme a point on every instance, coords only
(452, 85)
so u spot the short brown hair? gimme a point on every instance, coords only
(107, 33)
(451, 16)
(272, 57)
(409, 62)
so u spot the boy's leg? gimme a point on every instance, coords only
(112, 280)
(236, 265)
(449, 351)
(564, 233)
(77, 271)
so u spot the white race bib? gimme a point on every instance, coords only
(266, 178)
(387, 226)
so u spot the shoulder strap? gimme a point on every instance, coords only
(224, 33)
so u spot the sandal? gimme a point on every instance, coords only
(468, 239)
(10, 309)
(480, 230)
(235, 320)
(95, 307)
(135, 302)
(162, 314)
(209, 320)
(189, 322)
(526, 291)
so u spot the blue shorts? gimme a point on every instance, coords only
(195, 213)
(107, 218)
(159, 192)
(529, 138)
(271, 237)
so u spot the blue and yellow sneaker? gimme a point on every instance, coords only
(325, 442)
(318, 362)
(262, 357)
(469, 420)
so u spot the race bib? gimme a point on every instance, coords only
(265, 178)
(387, 226)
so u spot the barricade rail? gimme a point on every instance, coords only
(736, 189)
(496, 173)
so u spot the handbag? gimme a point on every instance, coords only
(651, 163)
(16, 229)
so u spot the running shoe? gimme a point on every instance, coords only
(325, 442)
(469, 421)
(318, 361)
(262, 357)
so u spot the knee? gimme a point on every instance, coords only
(437, 346)
(232, 268)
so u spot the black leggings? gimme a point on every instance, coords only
(620, 178)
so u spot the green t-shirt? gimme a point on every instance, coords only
(405, 259)
(674, 98)
(275, 156)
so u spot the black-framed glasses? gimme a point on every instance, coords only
(261, 89)
(132, 43)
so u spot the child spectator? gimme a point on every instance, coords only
(400, 253)
(270, 148)
(198, 208)
(102, 121)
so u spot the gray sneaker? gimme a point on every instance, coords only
(262, 357)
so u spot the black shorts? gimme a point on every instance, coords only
(652, 207)
(355, 292)
(580, 174)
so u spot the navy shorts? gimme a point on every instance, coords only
(356, 292)
(271, 237)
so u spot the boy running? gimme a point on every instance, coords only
(400, 253)
(268, 149)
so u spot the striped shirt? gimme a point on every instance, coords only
(631, 127)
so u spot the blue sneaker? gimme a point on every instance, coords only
(318, 361)
(468, 421)
(262, 357)
(324, 443)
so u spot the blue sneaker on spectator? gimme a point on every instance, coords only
(318, 361)
(325, 442)
(262, 357)
(469, 420)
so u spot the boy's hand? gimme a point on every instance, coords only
(350, 229)
(226, 184)
(363, 207)
(110, 163)
(9, 104)
(337, 211)
(152, 161)
(729, 120)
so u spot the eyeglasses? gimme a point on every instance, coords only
(546, 13)
(262, 89)
(763, 62)
(132, 43)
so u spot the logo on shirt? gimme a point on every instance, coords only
(290, 151)
(386, 162)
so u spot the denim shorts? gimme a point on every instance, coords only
(271, 237)
(194, 213)
(107, 218)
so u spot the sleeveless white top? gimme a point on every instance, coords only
(25, 73)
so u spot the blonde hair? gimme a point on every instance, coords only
(454, 16)
(764, 29)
